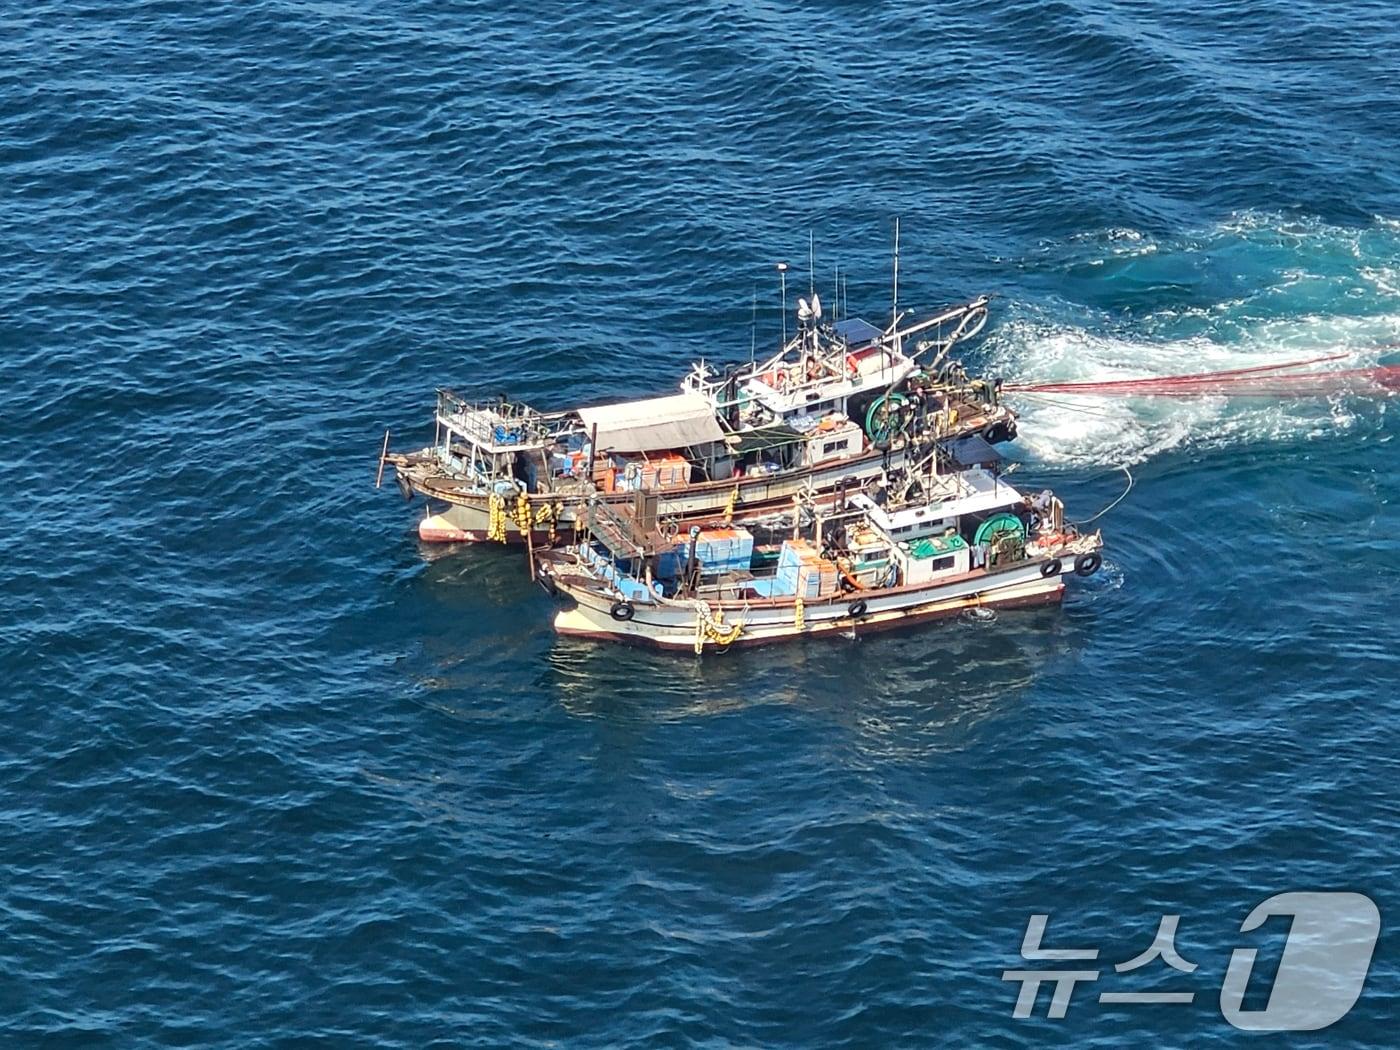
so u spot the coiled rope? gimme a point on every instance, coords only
(711, 627)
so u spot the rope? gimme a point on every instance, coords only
(1079, 408)
(1115, 503)
(1166, 384)
(974, 319)
(711, 627)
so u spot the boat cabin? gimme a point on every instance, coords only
(490, 441)
(961, 522)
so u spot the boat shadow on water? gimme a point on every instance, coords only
(959, 669)
(480, 646)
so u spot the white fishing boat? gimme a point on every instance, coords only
(839, 403)
(925, 543)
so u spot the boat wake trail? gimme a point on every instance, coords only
(1110, 378)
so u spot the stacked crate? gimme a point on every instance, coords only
(604, 475)
(665, 471)
(662, 470)
(720, 549)
(803, 571)
(670, 561)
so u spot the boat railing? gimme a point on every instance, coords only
(496, 425)
(618, 529)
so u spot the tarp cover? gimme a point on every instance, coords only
(653, 425)
(974, 451)
(757, 439)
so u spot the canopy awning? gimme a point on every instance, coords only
(653, 425)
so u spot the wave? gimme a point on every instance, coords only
(1256, 289)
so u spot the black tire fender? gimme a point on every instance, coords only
(405, 489)
(1051, 568)
(622, 611)
(857, 609)
(1088, 564)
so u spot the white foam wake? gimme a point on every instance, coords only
(1293, 289)
(1075, 429)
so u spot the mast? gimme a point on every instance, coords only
(811, 265)
(782, 281)
(894, 311)
(753, 326)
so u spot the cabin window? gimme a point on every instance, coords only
(833, 446)
(939, 564)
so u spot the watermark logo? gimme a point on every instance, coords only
(1327, 955)
(1323, 968)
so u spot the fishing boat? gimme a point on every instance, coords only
(840, 402)
(930, 541)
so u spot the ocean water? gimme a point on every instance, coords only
(277, 775)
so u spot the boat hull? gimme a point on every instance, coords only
(673, 625)
(465, 516)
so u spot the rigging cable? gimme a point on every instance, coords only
(1124, 468)
(1041, 399)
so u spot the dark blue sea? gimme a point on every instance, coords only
(275, 774)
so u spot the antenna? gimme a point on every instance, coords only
(782, 281)
(811, 264)
(753, 325)
(894, 313)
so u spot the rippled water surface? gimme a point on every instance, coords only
(274, 774)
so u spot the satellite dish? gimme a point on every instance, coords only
(816, 306)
